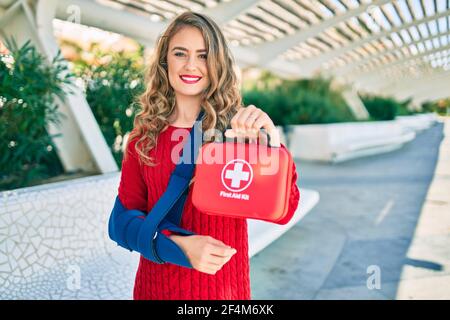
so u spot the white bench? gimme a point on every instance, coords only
(418, 122)
(343, 141)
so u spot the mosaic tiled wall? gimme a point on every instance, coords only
(54, 243)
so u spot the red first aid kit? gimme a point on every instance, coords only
(243, 180)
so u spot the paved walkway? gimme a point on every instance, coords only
(385, 217)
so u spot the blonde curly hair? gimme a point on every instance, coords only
(220, 100)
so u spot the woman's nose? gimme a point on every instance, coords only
(191, 64)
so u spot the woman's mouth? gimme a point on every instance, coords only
(190, 79)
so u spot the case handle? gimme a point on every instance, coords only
(261, 134)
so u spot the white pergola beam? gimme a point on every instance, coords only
(315, 62)
(118, 20)
(9, 12)
(95, 14)
(375, 77)
(399, 61)
(416, 86)
(434, 91)
(440, 92)
(349, 68)
(407, 76)
(271, 50)
(227, 11)
(144, 30)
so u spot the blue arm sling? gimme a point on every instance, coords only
(130, 231)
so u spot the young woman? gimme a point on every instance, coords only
(192, 71)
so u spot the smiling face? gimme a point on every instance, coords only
(186, 60)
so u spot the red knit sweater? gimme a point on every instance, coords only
(140, 188)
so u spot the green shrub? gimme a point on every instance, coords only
(318, 103)
(274, 103)
(441, 106)
(381, 108)
(402, 108)
(29, 86)
(298, 101)
(112, 84)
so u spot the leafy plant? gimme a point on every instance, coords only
(112, 81)
(381, 108)
(441, 106)
(298, 101)
(276, 105)
(29, 86)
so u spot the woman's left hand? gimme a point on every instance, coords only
(247, 123)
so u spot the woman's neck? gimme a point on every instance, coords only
(185, 113)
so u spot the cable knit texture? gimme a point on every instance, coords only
(141, 187)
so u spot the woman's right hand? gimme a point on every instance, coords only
(205, 253)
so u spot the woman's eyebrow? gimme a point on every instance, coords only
(184, 49)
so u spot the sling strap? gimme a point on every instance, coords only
(129, 230)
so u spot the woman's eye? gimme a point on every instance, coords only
(180, 54)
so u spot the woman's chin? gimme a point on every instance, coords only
(192, 93)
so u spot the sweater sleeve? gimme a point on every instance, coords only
(129, 212)
(132, 190)
(294, 197)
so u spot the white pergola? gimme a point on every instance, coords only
(389, 47)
